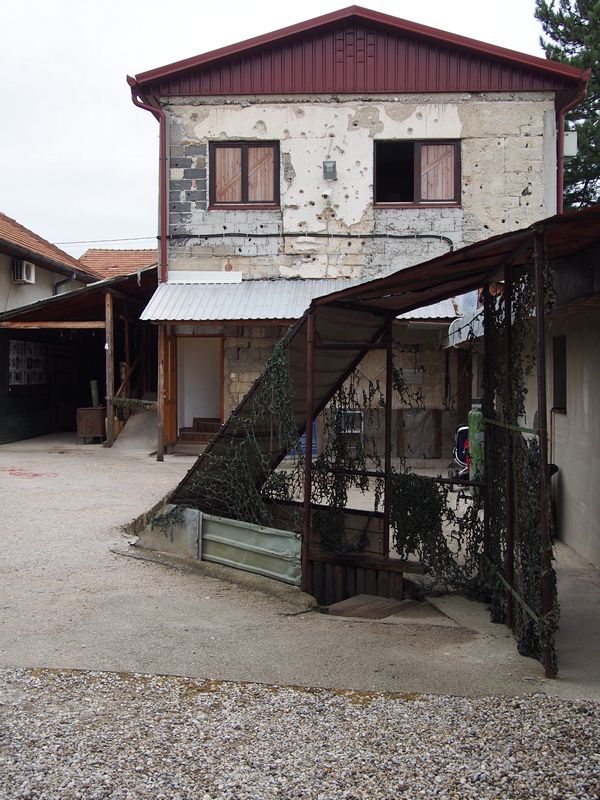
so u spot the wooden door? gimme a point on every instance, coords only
(170, 419)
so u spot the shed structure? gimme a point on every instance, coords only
(339, 329)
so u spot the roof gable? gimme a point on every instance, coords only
(358, 50)
(20, 242)
(110, 262)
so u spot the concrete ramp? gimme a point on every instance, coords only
(139, 433)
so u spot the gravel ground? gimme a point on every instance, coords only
(93, 735)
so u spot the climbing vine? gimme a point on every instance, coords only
(510, 445)
(349, 449)
(461, 539)
(231, 482)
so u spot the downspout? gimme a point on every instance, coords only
(561, 111)
(160, 115)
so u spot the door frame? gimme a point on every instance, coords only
(220, 336)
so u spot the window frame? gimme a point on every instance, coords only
(417, 202)
(273, 205)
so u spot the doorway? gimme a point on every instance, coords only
(199, 382)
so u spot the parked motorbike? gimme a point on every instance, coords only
(460, 455)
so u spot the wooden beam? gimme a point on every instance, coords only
(110, 369)
(160, 447)
(351, 346)
(70, 325)
(128, 368)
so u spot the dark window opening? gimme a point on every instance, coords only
(394, 172)
(416, 172)
(559, 372)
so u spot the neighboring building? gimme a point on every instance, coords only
(573, 357)
(32, 269)
(109, 263)
(51, 351)
(345, 147)
(572, 376)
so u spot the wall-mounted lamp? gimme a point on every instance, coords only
(329, 171)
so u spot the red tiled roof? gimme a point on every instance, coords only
(109, 263)
(19, 238)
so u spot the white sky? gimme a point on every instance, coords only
(78, 161)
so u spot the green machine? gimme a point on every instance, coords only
(476, 443)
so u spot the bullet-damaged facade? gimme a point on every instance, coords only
(345, 148)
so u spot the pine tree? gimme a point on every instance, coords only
(573, 31)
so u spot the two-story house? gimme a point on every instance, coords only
(339, 149)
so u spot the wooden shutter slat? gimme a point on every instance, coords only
(261, 175)
(228, 179)
(437, 172)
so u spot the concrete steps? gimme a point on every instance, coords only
(193, 439)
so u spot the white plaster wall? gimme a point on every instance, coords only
(508, 160)
(576, 435)
(15, 295)
(198, 379)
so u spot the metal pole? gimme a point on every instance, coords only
(488, 413)
(306, 524)
(545, 548)
(110, 369)
(389, 366)
(510, 418)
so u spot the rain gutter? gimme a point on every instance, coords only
(141, 102)
(561, 111)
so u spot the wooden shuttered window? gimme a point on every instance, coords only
(417, 173)
(244, 173)
(228, 175)
(437, 172)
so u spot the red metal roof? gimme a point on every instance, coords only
(108, 263)
(19, 241)
(358, 50)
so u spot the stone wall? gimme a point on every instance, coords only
(332, 229)
(247, 349)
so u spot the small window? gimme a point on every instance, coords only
(244, 174)
(559, 372)
(417, 173)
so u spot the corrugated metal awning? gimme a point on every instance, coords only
(279, 299)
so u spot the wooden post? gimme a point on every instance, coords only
(110, 369)
(510, 419)
(160, 445)
(306, 523)
(127, 353)
(545, 548)
(389, 366)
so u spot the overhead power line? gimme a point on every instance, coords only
(102, 241)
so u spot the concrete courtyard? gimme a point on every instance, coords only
(69, 602)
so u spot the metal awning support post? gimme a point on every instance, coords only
(160, 445)
(510, 419)
(389, 368)
(110, 368)
(488, 413)
(539, 260)
(306, 523)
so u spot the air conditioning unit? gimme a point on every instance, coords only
(23, 271)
